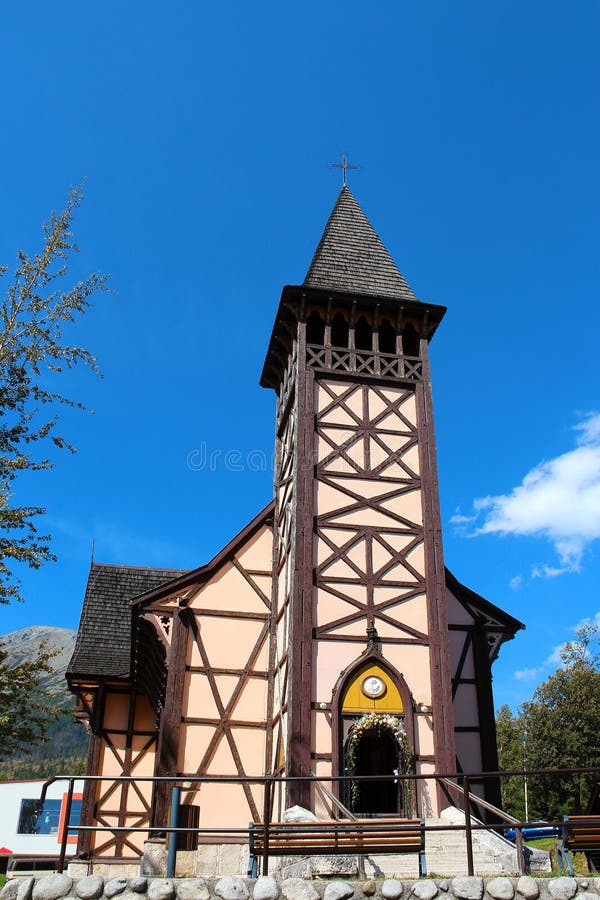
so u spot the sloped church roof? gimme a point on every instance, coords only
(103, 645)
(351, 258)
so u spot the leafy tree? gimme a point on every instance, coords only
(25, 708)
(65, 741)
(563, 728)
(511, 756)
(35, 312)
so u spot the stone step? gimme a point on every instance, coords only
(446, 851)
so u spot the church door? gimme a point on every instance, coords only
(374, 751)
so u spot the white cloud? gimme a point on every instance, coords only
(558, 500)
(554, 659)
(516, 582)
(590, 429)
(527, 674)
(460, 520)
(589, 620)
(547, 571)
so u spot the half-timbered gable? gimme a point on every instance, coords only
(215, 623)
(120, 710)
(327, 638)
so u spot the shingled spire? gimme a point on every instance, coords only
(351, 257)
(352, 280)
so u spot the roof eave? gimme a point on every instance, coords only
(511, 624)
(295, 297)
(76, 679)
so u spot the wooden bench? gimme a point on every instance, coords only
(579, 834)
(336, 837)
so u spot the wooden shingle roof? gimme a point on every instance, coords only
(351, 257)
(103, 646)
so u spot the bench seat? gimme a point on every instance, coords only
(334, 837)
(580, 834)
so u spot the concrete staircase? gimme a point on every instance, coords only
(493, 854)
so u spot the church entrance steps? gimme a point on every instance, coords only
(446, 851)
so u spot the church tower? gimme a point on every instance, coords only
(326, 637)
(359, 593)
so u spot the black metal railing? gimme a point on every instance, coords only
(457, 787)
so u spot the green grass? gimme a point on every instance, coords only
(579, 860)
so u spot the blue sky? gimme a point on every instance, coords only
(205, 134)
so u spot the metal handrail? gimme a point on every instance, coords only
(479, 801)
(335, 801)
(269, 782)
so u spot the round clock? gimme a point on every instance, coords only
(373, 686)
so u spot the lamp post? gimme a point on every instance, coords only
(525, 774)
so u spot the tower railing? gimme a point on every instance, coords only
(364, 362)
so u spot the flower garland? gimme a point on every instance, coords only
(378, 722)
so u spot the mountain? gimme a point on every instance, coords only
(65, 751)
(25, 644)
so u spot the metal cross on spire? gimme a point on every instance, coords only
(344, 166)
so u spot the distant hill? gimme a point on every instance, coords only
(65, 752)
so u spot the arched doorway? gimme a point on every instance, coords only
(372, 730)
(374, 749)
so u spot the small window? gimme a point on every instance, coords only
(410, 340)
(31, 865)
(387, 337)
(339, 331)
(37, 818)
(315, 328)
(363, 335)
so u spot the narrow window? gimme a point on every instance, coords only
(387, 337)
(363, 335)
(315, 328)
(410, 340)
(339, 331)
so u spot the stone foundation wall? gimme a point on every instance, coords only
(95, 887)
(208, 861)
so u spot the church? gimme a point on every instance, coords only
(327, 638)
